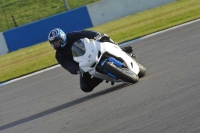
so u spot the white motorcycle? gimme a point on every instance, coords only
(106, 61)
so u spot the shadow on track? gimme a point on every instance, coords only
(63, 106)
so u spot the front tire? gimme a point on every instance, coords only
(120, 73)
(142, 70)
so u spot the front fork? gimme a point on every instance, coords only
(114, 61)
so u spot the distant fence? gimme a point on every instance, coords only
(78, 19)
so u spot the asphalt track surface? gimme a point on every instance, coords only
(166, 100)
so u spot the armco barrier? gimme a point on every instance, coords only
(37, 32)
(108, 10)
(3, 45)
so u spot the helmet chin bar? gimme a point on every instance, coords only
(52, 45)
(57, 43)
(56, 47)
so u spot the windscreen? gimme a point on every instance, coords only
(78, 48)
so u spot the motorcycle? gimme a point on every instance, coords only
(106, 61)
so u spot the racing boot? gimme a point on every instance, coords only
(129, 50)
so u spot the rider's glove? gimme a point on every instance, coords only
(127, 49)
(104, 38)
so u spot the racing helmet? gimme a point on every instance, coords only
(57, 38)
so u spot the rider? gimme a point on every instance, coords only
(62, 43)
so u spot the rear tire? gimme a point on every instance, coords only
(120, 73)
(142, 70)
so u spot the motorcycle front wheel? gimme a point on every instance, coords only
(121, 73)
(142, 70)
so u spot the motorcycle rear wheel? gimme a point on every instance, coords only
(120, 73)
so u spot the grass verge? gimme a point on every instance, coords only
(41, 56)
(26, 11)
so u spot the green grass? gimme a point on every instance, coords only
(26, 11)
(41, 56)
